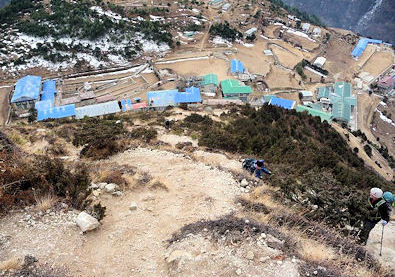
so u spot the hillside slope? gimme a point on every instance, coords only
(372, 18)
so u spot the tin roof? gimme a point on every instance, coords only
(98, 109)
(283, 103)
(236, 66)
(27, 88)
(361, 46)
(323, 115)
(162, 98)
(231, 86)
(191, 95)
(56, 112)
(209, 79)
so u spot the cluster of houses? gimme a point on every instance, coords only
(31, 92)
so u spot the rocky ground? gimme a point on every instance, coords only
(168, 223)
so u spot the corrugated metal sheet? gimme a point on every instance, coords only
(210, 79)
(43, 104)
(236, 66)
(192, 95)
(56, 112)
(97, 109)
(27, 88)
(138, 106)
(362, 44)
(306, 93)
(283, 103)
(324, 116)
(231, 86)
(49, 85)
(162, 98)
(323, 92)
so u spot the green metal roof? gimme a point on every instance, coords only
(324, 116)
(342, 101)
(231, 86)
(323, 92)
(343, 89)
(315, 106)
(210, 79)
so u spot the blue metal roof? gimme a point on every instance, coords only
(49, 85)
(126, 105)
(56, 112)
(236, 66)
(192, 95)
(361, 46)
(43, 104)
(27, 88)
(97, 109)
(162, 98)
(283, 103)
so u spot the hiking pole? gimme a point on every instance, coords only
(382, 235)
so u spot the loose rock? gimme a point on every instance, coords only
(110, 188)
(86, 222)
(133, 206)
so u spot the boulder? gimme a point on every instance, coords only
(244, 183)
(110, 188)
(86, 222)
(250, 255)
(133, 206)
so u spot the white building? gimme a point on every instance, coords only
(317, 32)
(320, 61)
(226, 7)
(306, 95)
(306, 27)
(250, 32)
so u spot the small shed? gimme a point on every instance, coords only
(226, 7)
(306, 27)
(320, 61)
(250, 32)
(306, 95)
(236, 67)
(317, 32)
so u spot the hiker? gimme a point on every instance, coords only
(260, 168)
(379, 209)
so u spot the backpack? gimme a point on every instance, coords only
(389, 198)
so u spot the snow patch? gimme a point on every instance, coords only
(384, 118)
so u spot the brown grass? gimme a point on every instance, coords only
(315, 252)
(13, 263)
(158, 185)
(44, 202)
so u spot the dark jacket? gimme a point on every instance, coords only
(379, 209)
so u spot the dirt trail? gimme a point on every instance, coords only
(131, 243)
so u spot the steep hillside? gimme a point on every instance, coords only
(368, 17)
(3, 3)
(196, 208)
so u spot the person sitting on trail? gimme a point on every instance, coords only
(260, 168)
(379, 209)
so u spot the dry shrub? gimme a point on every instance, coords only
(13, 263)
(144, 178)
(56, 149)
(144, 134)
(158, 185)
(44, 202)
(112, 176)
(316, 251)
(17, 139)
